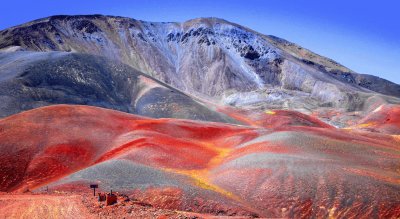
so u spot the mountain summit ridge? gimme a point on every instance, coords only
(209, 58)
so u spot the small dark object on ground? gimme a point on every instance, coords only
(102, 197)
(111, 199)
(94, 186)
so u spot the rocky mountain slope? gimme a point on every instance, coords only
(30, 79)
(208, 58)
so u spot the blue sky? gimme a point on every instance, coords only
(362, 35)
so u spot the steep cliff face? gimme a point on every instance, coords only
(207, 57)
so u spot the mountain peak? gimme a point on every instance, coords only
(207, 20)
(209, 58)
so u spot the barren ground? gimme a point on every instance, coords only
(43, 206)
(77, 206)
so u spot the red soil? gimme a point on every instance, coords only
(82, 206)
(43, 206)
(384, 119)
(296, 167)
(63, 139)
(274, 119)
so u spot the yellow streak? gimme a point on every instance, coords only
(332, 213)
(200, 177)
(221, 154)
(364, 125)
(270, 112)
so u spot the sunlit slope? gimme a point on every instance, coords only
(30, 80)
(282, 171)
(207, 57)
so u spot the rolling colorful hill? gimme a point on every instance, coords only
(204, 116)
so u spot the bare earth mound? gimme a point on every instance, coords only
(282, 171)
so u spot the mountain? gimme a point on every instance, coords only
(209, 58)
(30, 79)
(204, 116)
